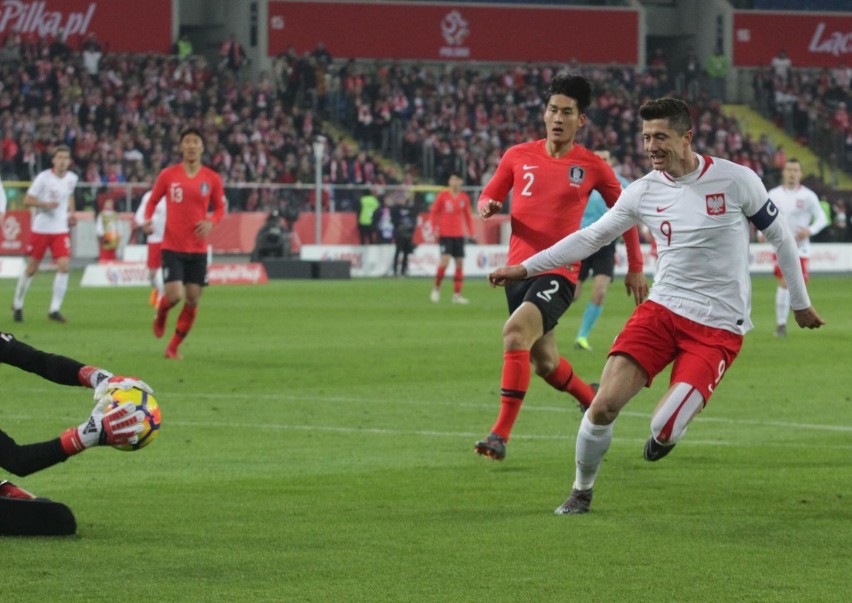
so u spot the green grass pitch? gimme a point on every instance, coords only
(317, 445)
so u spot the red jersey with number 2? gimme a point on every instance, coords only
(189, 202)
(549, 197)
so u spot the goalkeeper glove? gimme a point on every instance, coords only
(122, 383)
(115, 427)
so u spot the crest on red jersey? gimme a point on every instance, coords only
(576, 174)
(205, 188)
(715, 204)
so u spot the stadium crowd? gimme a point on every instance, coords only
(386, 122)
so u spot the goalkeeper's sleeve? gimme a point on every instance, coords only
(24, 459)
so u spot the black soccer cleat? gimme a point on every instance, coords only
(577, 504)
(18, 314)
(56, 317)
(654, 451)
(492, 446)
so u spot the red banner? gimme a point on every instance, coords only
(810, 40)
(144, 26)
(440, 32)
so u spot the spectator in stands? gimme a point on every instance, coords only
(781, 67)
(183, 47)
(92, 53)
(233, 54)
(717, 67)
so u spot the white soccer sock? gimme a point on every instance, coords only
(592, 443)
(60, 286)
(21, 289)
(668, 425)
(782, 305)
(157, 282)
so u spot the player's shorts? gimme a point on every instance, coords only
(552, 294)
(780, 275)
(155, 255)
(184, 267)
(654, 336)
(600, 263)
(452, 246)
(39, 243)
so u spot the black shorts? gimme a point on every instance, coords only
(552, 294)
(452, 246)
(601, 262)
(184, 267)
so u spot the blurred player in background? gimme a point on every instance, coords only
(451, 213)
(21, 513)
(154, 242)
(601, 264)
(698, 208)
(551, 180)
(106, 229)
(52, 196)
(3, 203)
(190, 190)
(800, 208)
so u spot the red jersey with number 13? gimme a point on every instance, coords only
(189, 201)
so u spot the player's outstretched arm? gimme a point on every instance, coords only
(506, 274)
(808, 318)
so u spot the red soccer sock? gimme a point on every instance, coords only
(458, 279)
(183, 326)
(439, 276)
(513, 388)
(164, 306)
(566, 380)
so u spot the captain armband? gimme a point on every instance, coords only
(765, 216)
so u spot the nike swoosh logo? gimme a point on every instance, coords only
(662, 209)
(530, 167)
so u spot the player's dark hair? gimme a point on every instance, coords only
(190, 131)
(672, 109)
(571, 85)
(61, 148)
(794, 160)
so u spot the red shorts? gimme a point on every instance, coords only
(39, 243)
(654, 337)
(155, 255)
(107, 255)
(804, 262)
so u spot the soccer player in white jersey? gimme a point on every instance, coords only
(698, 209)
(155, 245)
(800, 208)
(52, 196)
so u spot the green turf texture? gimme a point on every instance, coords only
(317, 445)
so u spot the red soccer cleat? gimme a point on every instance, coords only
(159, 324)
(172, 354)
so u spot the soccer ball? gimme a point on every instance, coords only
(148, 405)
